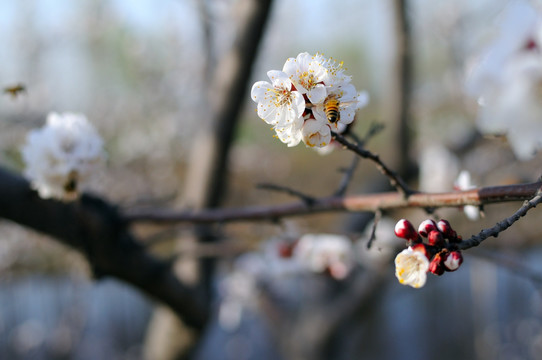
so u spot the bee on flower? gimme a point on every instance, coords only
(307, 100)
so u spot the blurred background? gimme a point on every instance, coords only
(141, 72)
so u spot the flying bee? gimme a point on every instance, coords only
(332, 106)
(15, 90)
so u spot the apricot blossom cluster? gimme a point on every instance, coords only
(308, 99)
(431, 248)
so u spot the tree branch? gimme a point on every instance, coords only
(395, 180)
(370, 202)
(494, 231)
(96, 229)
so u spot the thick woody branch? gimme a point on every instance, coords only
(96, 229)
(356, 203)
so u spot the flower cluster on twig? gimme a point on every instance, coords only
(437, 255)
(307, 100)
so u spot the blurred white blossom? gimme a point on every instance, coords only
(325, 253)
(507, 80)
(464, 182)
(438, 167)
(62, 155)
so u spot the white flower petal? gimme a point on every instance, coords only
(279, 79)
(411, 268)
(316, 133)
(317, 94)
(259, 90)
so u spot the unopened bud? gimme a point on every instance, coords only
(453, 261)
(436, 266)
(436, 239)
(405, 230)
(446, 229)
(421, 248)
(426, 227)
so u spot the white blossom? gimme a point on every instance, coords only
(316, 132)
(335, 76)
(464, 182)
(290, 134)
(307, 74)
(62, 155)
(438, 167)
(296, 100)
(278, 104)
(411, 267)
(517, 30)
(325, 252)
(508, 81)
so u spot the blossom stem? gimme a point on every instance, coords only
(395, 180)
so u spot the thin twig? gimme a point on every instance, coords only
(395, 180)
(494, 231)
(348, 174)
(374, 129)
(307, 199)
(378, 216)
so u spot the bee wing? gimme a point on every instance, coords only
(344, 104)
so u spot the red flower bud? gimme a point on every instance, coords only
(436, 238)
(446, 229)
(436, 266)
(423, 249)
(453, 261)
(426, 227)
(405, 230)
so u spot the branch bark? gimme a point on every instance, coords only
(355, 203)
(95, 228)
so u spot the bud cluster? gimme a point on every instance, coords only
(435, 240)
